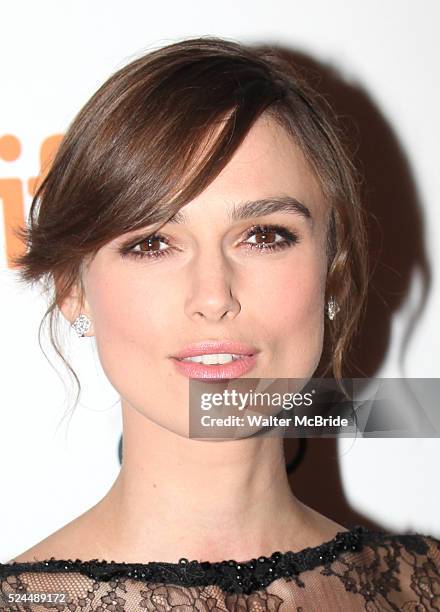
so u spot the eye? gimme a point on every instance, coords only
(269, 238)
(148, 247)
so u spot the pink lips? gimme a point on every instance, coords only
(214, 347)
(233, 369)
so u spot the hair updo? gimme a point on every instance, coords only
(156, 134)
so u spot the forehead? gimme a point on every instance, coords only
(268, 164)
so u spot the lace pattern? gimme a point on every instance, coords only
(359, 569)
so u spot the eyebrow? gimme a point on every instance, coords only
(258, 208)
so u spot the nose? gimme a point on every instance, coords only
(211, 293)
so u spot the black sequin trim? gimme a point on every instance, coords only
(230, 576)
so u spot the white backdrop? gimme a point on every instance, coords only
(53, 57)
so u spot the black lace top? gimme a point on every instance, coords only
(358, 569)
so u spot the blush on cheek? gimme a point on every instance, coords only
(297, 299)
(122, 305)
(132, 317)
(294, 318)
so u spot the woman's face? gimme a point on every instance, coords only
(213, 282)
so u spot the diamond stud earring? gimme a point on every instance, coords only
(81, 325)
(332, 308)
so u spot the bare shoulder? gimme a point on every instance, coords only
(35, 553)
(68, 542)
(318, 528)
(55, 545)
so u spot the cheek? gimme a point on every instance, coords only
(292, 312)
(131, 319)
(130, 324)
(293, 295)
(128, 316)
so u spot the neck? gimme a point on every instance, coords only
(207, 500)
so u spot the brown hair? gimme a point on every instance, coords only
(156, 134)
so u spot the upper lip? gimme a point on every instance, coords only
(215, 347)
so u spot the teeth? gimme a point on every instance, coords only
(217, 359)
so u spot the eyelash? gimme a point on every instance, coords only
(290, 239)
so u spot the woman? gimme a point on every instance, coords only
(202, 203)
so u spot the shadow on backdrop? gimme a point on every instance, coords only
(396, 239)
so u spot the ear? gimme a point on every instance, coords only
(72, 302)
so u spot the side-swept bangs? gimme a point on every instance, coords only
(156, 134)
